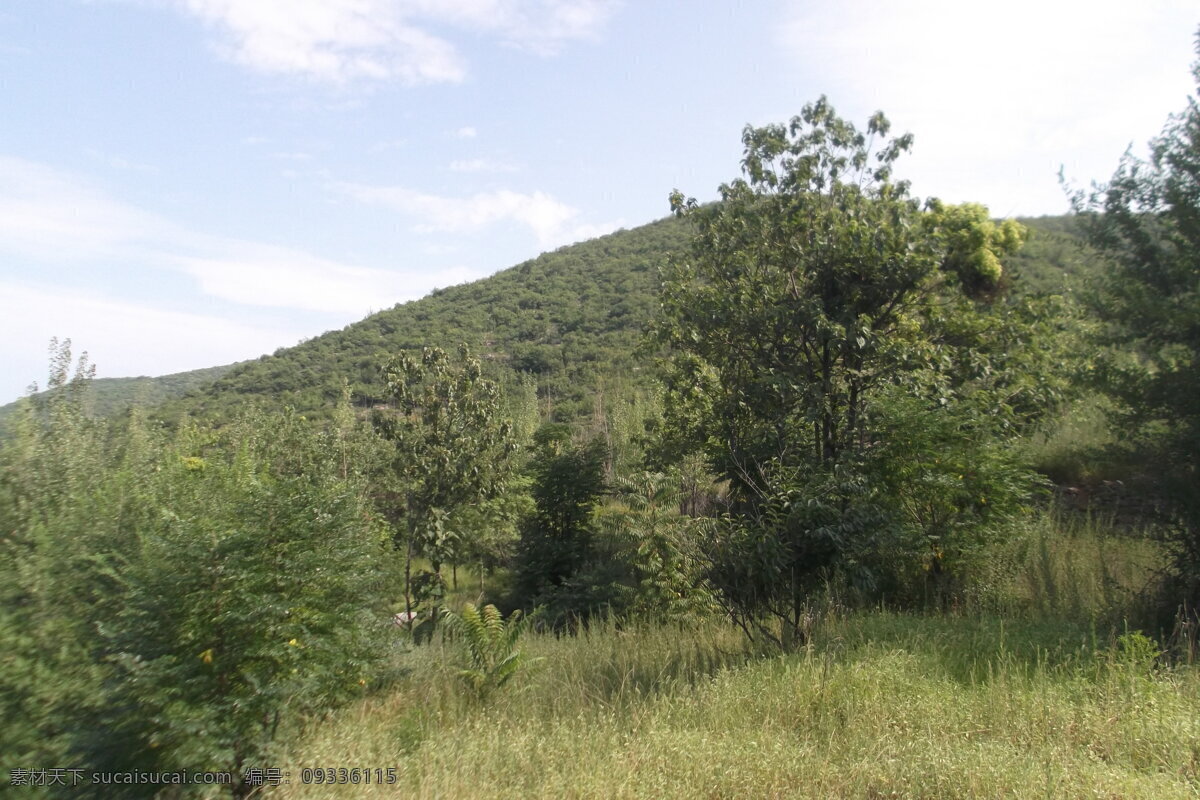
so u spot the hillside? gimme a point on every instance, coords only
(110, 396)
(568, 318)
(571, 319)
(1054, 257)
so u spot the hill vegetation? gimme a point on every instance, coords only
(570, 320)
(108, 397)
(752, 500)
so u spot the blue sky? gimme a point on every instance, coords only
(186, 183)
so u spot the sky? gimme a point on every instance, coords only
(187, 183)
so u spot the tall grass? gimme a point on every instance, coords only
(1034, 688)
(1059, 564)
(1072, 448)
(878, 705)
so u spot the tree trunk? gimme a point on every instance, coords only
(408, 579)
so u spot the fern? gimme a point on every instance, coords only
(491, 646)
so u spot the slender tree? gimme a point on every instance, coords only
(452, 449)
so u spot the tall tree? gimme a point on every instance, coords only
(806, 290)
(453, 450)
(556, 543)
(814, 284)
(1146, 220)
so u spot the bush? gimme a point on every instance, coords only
(250, 596)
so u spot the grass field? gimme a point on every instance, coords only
(879, 705)
(1044, 696)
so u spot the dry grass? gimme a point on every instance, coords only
(880, 705)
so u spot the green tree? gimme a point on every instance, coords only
(452, 450)
(661, 546)
(491, 530)
(253, 593)
(556, 543)
(952, 480)
(165, 606)
(61, 490)
(808, 287)
(1146, 221)
(815, 283)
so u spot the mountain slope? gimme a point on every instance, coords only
(110, 396)
(569, 319)
(1054, 258)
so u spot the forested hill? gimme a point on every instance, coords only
(570, 320)
(1054, 257)
(111, 396)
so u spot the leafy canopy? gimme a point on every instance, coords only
(452, 448)
(816, 291)
(813, 283)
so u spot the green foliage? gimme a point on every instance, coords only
(490, 642)
(1146, 221)
(164, 606)
(109, 397)
(489, 531)
(587, 304)
(972, 244)
(557, 542)
(810, 287)
(815, 288)
(561, 322)
(63, 498)
(661, 547)
(452, 453)
(953, 483)
(250, 595)
(445, 424)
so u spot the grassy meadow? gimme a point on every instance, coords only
(1036, 691)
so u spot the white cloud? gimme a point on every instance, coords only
(333, 40)
(345, 40)
(481, 165)
(550, 220)
(48, 216)
(1000, 96)
(466, 132)
(281, 278)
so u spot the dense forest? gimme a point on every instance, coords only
(822, 480)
